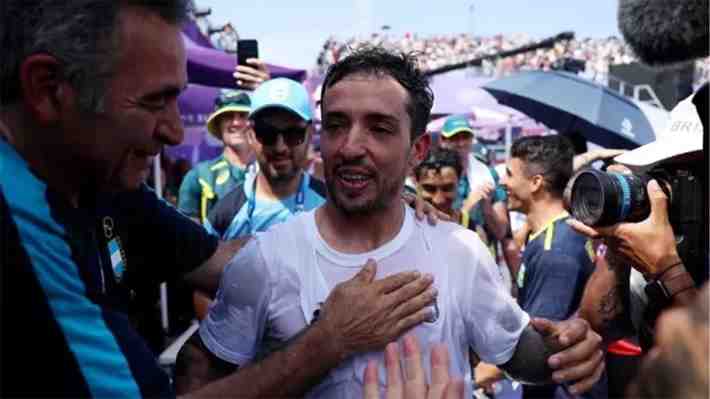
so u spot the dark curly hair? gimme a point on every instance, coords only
(438, 158)
(401, 66)
(549, 156)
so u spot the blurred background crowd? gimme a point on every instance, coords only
(597, 54)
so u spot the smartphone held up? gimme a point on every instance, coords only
(246, 49)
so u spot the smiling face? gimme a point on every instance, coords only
(140, 113)
(461, 142)
(234, 128)
(366, 142)
(278, 161)
(518, 185)
(439, 187)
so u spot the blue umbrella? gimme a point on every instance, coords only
(567, 103)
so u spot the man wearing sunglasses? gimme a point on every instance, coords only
(280, 132)
(211, 180)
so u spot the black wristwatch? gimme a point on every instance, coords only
(661, 291)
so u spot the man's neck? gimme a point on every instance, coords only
(277, 190)
(359, 233)
(237, 156)
(542, 211)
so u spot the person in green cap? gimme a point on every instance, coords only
(211, 180)
(478, 186)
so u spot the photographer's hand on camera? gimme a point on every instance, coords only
(649, 245)
(582, 160)
(250, 77)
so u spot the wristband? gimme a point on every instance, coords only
(672, 281)
(673, 262)
(668, 269)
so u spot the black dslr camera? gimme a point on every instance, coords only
(602, 199)
(598, 198)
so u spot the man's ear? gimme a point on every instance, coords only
(419, 150)
(251, 135)
(537, 183)
(43, 90)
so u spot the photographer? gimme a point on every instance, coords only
(666, 249)
(658, 41)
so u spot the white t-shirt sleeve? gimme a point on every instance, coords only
(234, 327)
(492, 318)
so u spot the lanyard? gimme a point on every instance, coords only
(300, 200)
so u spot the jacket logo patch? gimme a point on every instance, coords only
(107, 224)
(118, 264)
(222, 177)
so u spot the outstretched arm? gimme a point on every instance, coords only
(605, 302)
(359, 315)
(558, 352)
(648, 246)
(250, 76)
(206, 277)
(285, 373)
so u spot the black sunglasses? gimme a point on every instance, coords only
(268, 134)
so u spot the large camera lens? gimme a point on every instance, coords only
(588, 198)
(603, 199)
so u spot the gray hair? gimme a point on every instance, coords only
(81, 34)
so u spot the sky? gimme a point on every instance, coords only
(291, 33)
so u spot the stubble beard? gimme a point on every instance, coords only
(383, 199)
(276, 178)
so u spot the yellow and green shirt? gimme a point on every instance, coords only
(208, 182)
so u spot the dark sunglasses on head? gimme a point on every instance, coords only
(436, 165)
(232, 98)
(267, 134)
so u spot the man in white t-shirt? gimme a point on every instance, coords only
(375, 107)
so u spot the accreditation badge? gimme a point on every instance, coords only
(118, 263)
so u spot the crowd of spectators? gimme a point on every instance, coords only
(441, 50)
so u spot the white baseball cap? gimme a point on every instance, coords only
(683, 135)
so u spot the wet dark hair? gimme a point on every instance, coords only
(402, 67)
(549, 156)
(440, 158)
